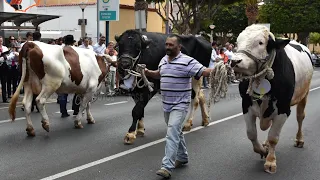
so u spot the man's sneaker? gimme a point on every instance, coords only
(163, 173)
(179, 164)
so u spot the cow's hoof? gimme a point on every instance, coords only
(186, 127)
(299, 143)
(45, 125)
(140, 132)
(205, 123)
(129, 138)
(30, 131)
(91, 121)
(78, 126)
(270, 167)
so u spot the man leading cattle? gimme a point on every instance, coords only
(288, 70)
(175, 71)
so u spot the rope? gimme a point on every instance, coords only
(218, 80)
(140, 73)
(266, 72)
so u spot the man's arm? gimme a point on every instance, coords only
(154, 74)
(207, 71)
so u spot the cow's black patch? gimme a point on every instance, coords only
(193, 94)
(297, 47)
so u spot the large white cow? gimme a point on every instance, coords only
(51, 68)
(288, 69)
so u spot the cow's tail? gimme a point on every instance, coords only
(15, 97)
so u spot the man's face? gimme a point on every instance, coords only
(172, 46)
(102, 40)
(29, 38)
(1, 41)
(86, 42)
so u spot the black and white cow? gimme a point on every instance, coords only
(290, 85)
(148, 48)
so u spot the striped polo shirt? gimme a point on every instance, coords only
(175, 82)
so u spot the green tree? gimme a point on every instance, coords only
(190, 13)
(292, 16)
(229, 20)
(314, 39)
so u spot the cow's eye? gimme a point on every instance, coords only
(260, 43)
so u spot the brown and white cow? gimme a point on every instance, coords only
(47, 69)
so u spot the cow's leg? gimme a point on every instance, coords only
(203, 107)
(299, 142)
(90, 118)
(26, 102)
(252, 134)
(46, 91)
(141, 100)
(270, 165)
(193, 107)
(83, 105)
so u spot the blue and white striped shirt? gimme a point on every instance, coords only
(176, 78)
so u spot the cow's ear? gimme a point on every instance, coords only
(117, 38)
(278, 43)
(281, 43)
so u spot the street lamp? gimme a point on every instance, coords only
(211, 27)
(83, 28)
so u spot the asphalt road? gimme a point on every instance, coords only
(218, 152)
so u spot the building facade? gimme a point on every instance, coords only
(71, 15)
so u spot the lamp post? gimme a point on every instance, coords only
(83, 28)
(211, 27)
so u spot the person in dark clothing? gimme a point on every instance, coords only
(63, 98)
(69, 41)
(3, 69)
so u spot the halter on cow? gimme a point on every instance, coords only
(137, 48)
(50, 68)
(276, 75)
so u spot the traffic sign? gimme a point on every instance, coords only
(108, 10)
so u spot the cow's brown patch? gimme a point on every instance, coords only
(36, 64)
(73, 59)
(103, 68)
(31, 51)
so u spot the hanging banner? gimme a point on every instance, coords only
(20, 5)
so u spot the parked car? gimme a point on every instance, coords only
(315, 59)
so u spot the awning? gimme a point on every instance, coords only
(20, 18)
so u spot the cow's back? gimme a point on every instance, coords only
(300, 57)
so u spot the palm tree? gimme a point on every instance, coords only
(142, 5)
(252, 11)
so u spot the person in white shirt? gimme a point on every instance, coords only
(213, 59)
(100, 47)
(85, 44)
(112, 75)
(3, 69)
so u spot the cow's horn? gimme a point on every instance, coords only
(116, 37)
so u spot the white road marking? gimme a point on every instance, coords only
(9, 120)
(67, 111)
(109, 158)
(120, 102)
(48, 102)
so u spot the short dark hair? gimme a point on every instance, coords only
(176, 36)
(36, 36)
(29, 34)
(213, 43)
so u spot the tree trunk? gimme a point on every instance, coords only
(252, 11)
(303, 38)
(142, 5)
